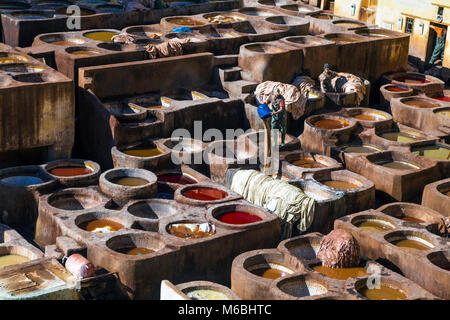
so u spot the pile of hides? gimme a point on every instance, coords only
(288, 202)
(339, 249)
(123, 38)
(290, 93)
(173, 47)
(353, 84)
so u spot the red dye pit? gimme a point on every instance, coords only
(205, 194)
(444, 98)
(412, 79)
(239, 217)
(70, 171)
(176, 178)
(396, 89)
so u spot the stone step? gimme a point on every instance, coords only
(226, 60)
(239, 87)
(230, 73)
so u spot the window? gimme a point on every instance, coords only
(409, 25)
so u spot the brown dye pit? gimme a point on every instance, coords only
(330, 124)
(104, 36)
(101, 226)
(411, 219)
(383, 293)
(420, 104)
(398, 165)
(225, 19)
(411, 244)
(186, 22)
(374, 225)
(307, 162)
(369, 116)
(341, 273)
(411, 79)
(129, 181)
(401, 137)
(182, 231)
(205, 194)
(143, 152)
(361, 149)
(70, 171)
(135, 251)
(206, 294)
(11, 259)
(68, 42)
(443, 113)
(343, 39)
(85, 52)
(271, 271)
(374, 34)
(339, 184)
(348, 24)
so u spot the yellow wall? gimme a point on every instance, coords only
(387, 15)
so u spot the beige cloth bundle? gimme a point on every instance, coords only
(353, 85)
(173, 47)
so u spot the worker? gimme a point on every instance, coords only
(325, 79)
(279, 119)
(438, 52)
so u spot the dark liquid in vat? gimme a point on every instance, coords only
(205, 194)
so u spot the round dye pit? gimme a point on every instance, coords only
(151, 209)
(84, 52)
(67, 200)
(418, 103)
(238, 217)
(376, 34)
(434, 152)
(330, 124)
(302, 286)
(409, 241)
(23, 180)
(341, 273)
(103, 36)
(270, 270)
(443, 113)
(348, 24)
(101, 226)
(412, 219)
(401, 136)
(340, 39)
(135, 251)
(30, 15)
(12, 259)
(264, 48)
(186, 22)
(385, 292)
(440, 259)
(67, 42)
(70, 171)
(317, 195)
(191, 230)
(412, 79)
(224, 18)
(205, 294)
(205, 194)
(182, 178)
(129, 181)
(364, 148)
(370, 116)
(340, 184)
(11, 58)
(397, 89)
(371, 223)
(256, 12)
(399, 165)
(22, 68)
(143, 152)
(308, 162)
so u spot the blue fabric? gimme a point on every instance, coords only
(263, 111)
(182, 29)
